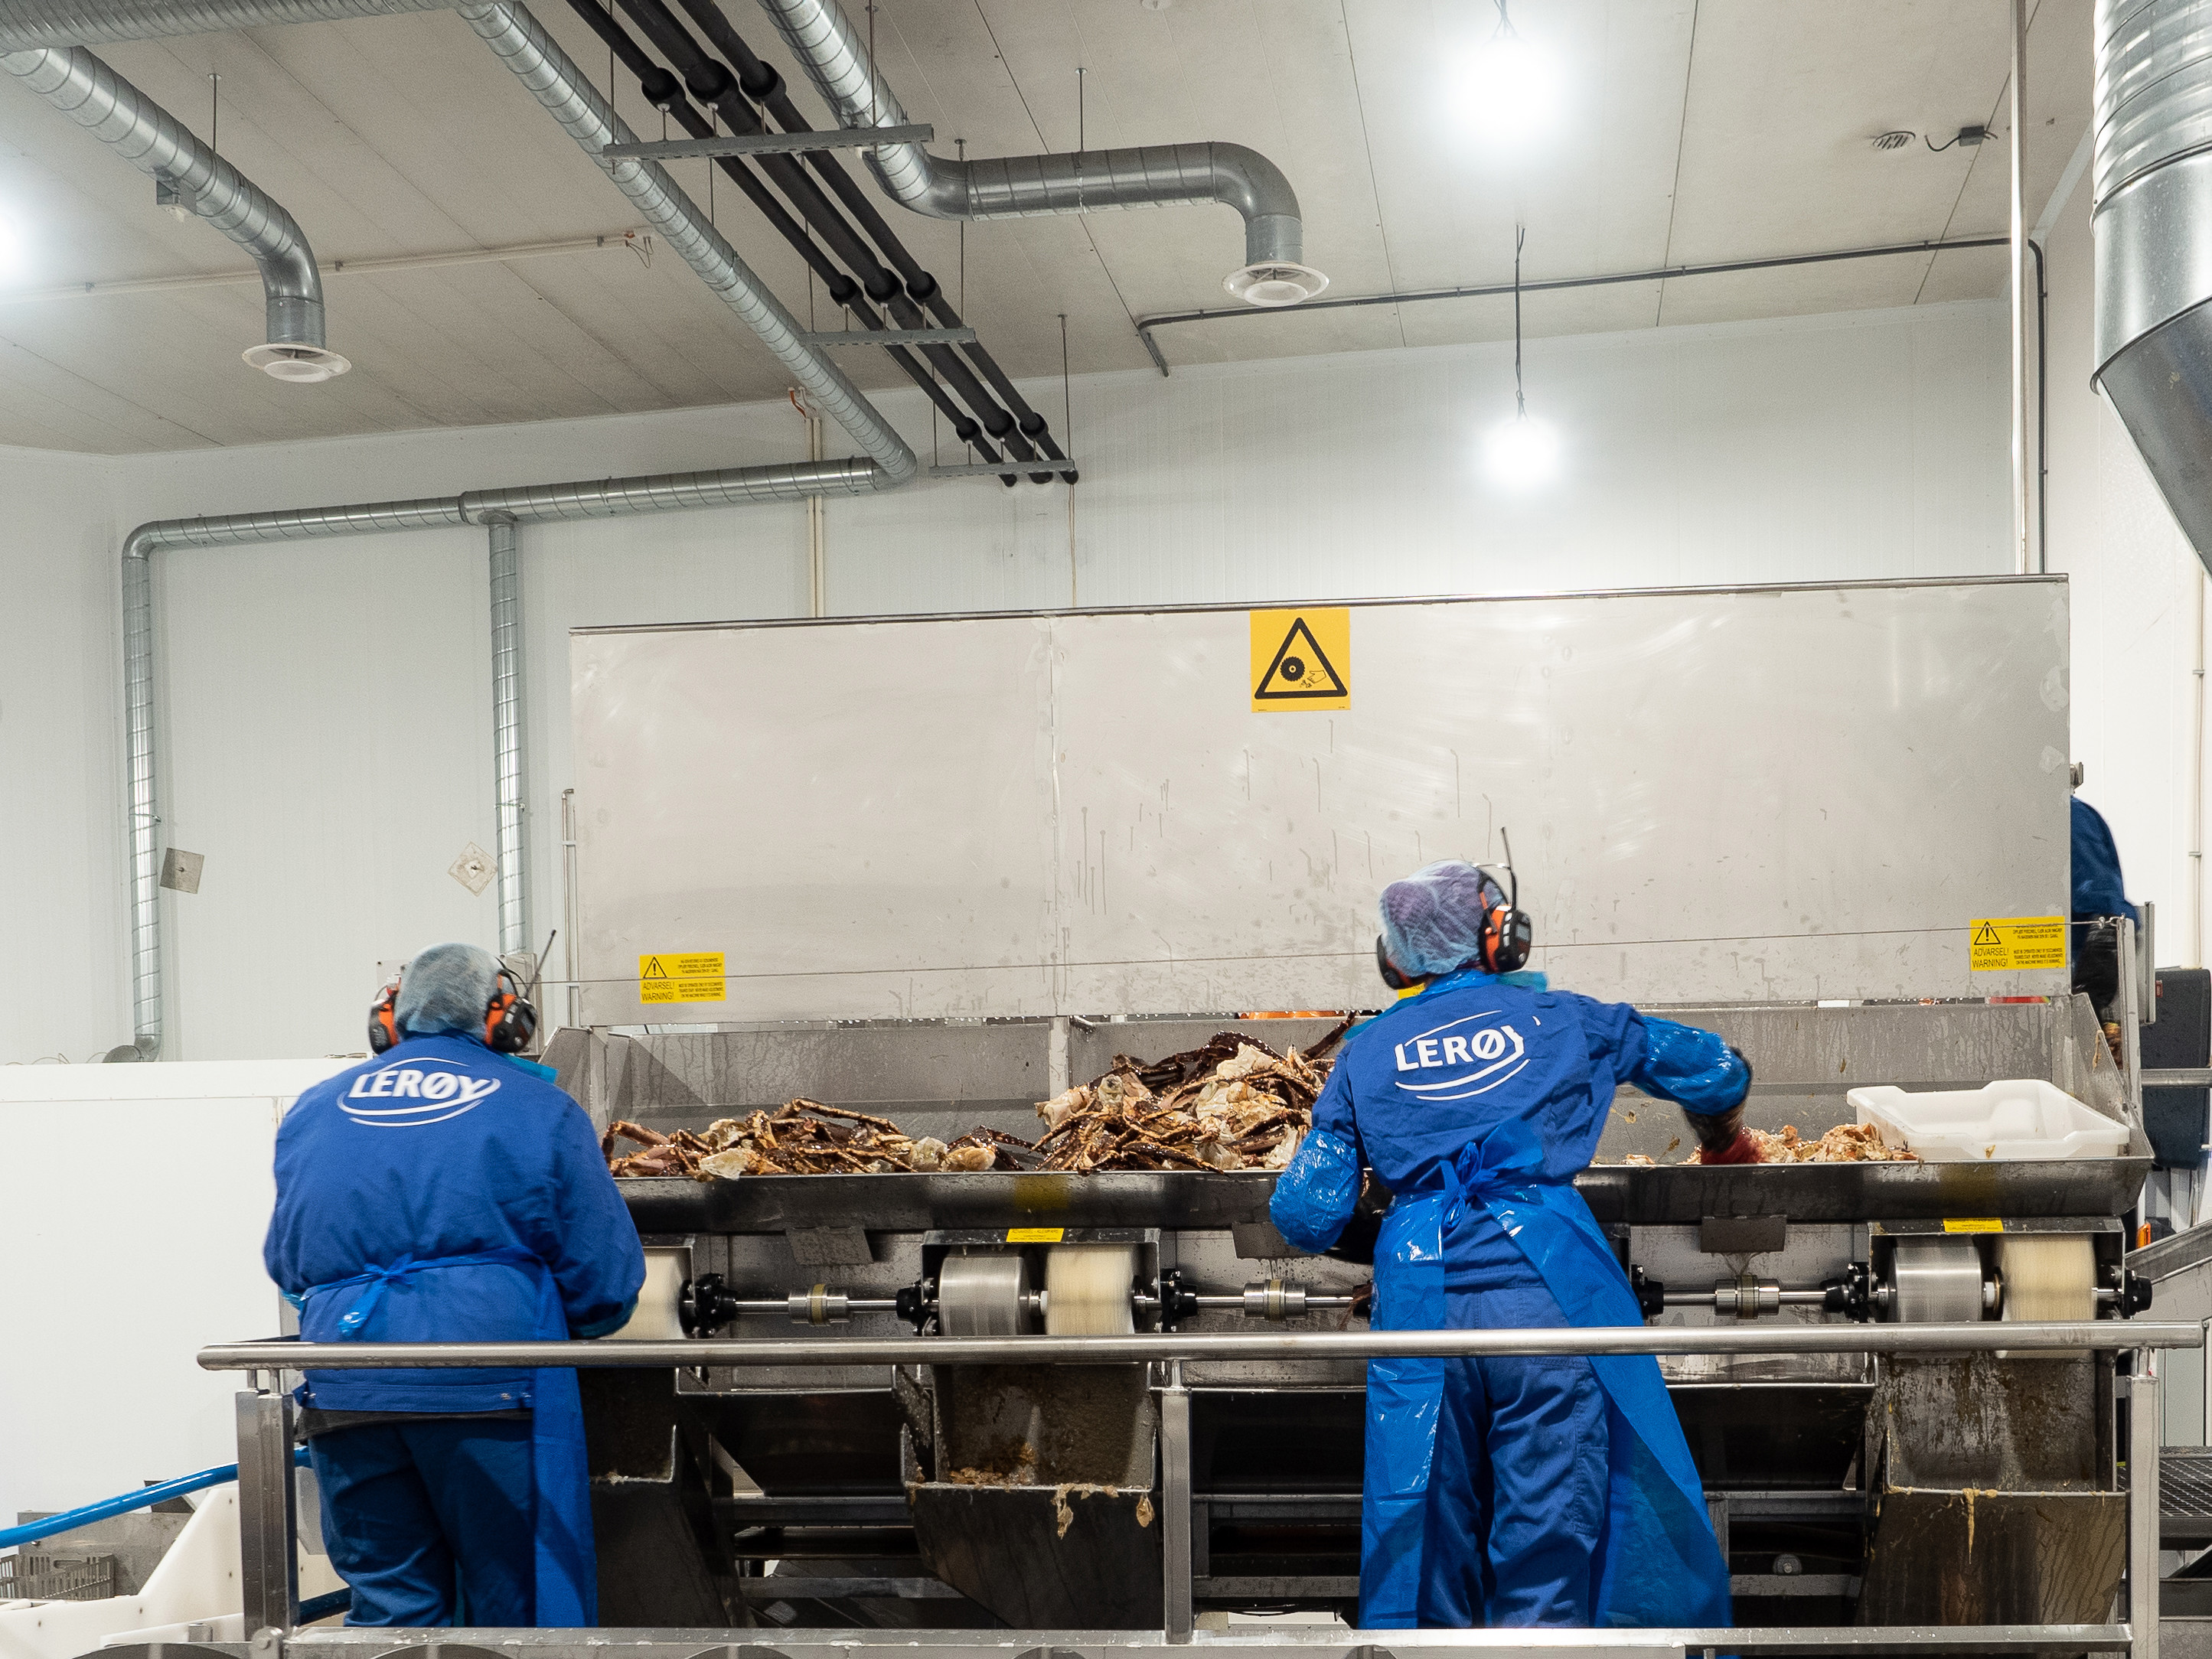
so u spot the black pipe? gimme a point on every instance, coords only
(761, 83)
(711, 82)
(665, 92)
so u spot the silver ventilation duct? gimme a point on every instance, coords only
(837, 60)
(600, 498)
(521, 43)
(26, 23)
(2152, 226)
(155, 141)
(510, 800)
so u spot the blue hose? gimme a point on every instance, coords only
(69, 1520)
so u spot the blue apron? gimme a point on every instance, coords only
(566, 1585)
(1662, 1564)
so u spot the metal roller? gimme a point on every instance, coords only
(2047, 1277)
(985, 1296)
(1936, 1281)
(1087, 1290)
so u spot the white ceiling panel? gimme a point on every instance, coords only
(1687, 132)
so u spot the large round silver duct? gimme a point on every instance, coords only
(2152, 226)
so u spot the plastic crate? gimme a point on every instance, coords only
(55, 1579)
(2019, 1117)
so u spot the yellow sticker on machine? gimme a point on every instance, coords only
(1974, 1224)
(1035, 1235)
(681, 976)
(1998, 944)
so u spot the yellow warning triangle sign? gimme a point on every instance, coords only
(654, 970)
(1987, 935)
(1300, 669)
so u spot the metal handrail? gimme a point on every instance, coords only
(1982, 1337)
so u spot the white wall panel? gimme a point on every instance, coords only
(1870, 444)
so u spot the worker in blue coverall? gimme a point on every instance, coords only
(449, 1192)
(1554, 1490)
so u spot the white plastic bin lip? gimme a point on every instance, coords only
(2012, 1118)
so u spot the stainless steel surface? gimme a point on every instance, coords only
(583, 499)
(985, 1296)
(1980, 1337)
(268, 1566)
(2153, 174)
(2177, 1077)
(771, 143)
(519, 41)
(1318, 1641)
(1936, 1281)
(1026, 901)
(510, 797)
(2130, 1010)
(2143, 1506)
(159, 145)
(843, 70)
(1176, 1561)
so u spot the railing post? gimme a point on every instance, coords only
(1175, 1505)
(2142, 1508)
(267, 1560)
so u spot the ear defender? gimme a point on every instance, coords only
(383, 1029)
(510, 1023)
(1507, 937)
(1391, 977)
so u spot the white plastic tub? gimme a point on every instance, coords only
(2021, 1117)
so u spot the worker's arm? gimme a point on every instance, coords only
(594, 1253)
(1315, 1196)
(1704, 1076)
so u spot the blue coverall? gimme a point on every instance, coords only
(1510, 1491)
(443, 1193)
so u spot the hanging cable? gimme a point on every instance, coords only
(1520, 236)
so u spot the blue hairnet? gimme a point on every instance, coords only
(1432, 921)
(446, 988)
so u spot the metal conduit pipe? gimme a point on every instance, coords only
(155, 141)
(1155, 175)
(27, 23)
(2151, 227)
(760, 83)
(595, 498)
(508, 792)
(521, 43)
(712, 83)
(663, 90)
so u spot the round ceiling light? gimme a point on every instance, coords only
(301, 365)
(1275, 284)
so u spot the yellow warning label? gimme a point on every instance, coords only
(1301, 660)
(681, 976)
(1974, 1225)
(1035, 1235)
(1997, 943)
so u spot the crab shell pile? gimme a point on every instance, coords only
(1847, 1143)
(1233, 1104)
(801, 1136)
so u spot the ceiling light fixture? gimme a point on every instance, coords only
(301, 365)
(1896, 138)
(1523, 452)
(1509, 89)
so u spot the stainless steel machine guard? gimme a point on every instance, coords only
(268, 1514)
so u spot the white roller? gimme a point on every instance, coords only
(2047, 1277)
(656, 1317)
(1087, 1290)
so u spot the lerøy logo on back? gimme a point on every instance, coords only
(1492, 1054)
(440, 1089)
